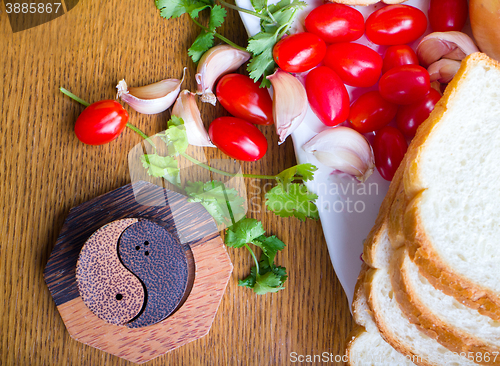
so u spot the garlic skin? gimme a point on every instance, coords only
(153, 98)
(344, 150)
(186, 108)
(289, 103)
(214, 63)
(452, 45)
(443, 70)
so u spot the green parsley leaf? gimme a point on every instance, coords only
(216, 197)
(249, 281)
(161, 167)
(270, 246)
(217, 16)
(262, 63)
(171, 8)
(294, 199)
(201, 44)
(301, 171)
(175, 8)
(269, 282)
(270, 278)
(175, 136)
(259, 5)
(261, 42)
(175, 121)
(243, 232)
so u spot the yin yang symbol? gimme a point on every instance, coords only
(132, 272)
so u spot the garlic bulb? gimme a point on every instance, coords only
(289, 103)
(443, 70)
(451, 45)
(214, 63)
(153, 98)
(186, 108)
(344, 150)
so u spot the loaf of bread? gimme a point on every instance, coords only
(431, 284)
(451, 184)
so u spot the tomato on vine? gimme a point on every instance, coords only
(101, 122)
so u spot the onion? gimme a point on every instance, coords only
(485, 23)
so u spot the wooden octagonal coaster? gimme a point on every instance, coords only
(197, 233)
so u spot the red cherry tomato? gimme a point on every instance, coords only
(448, 15)
(299, 52)
(389, 148)
(395, 24)
(398, 56)
(238, 138)
(355, 64)
(409, 117)
(101, 122)
(404, 84)
(327, 96)
(243, 98)
(335, 23)
(371, 112)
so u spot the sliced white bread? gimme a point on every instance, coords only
(374, 303)
(366, 347)
(452, 185)
(396, 218)
(454, 325)
(396, 328)
(370, 349)
(380, 231)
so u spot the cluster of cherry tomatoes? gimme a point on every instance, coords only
(404, 92)
(250, 105)
(327, 51)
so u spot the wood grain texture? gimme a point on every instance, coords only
(45, 170)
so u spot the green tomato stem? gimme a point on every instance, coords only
(214, 170)
(222, 38)
(73, 96)
(255, 260)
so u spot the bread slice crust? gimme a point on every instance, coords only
(440, 273)
(366, 331)
(412, 305)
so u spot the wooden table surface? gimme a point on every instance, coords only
(45, 170)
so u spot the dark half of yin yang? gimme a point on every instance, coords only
(157, 258)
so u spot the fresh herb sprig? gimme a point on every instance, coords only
(275, 22)
(289, 197)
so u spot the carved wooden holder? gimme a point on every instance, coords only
(138, 272)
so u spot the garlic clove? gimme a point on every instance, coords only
(451, 45)
(436, 85)
(289, 103)
(214, 63)
(153, 98)
(344, 150)
(443, 70)
(186, 108)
